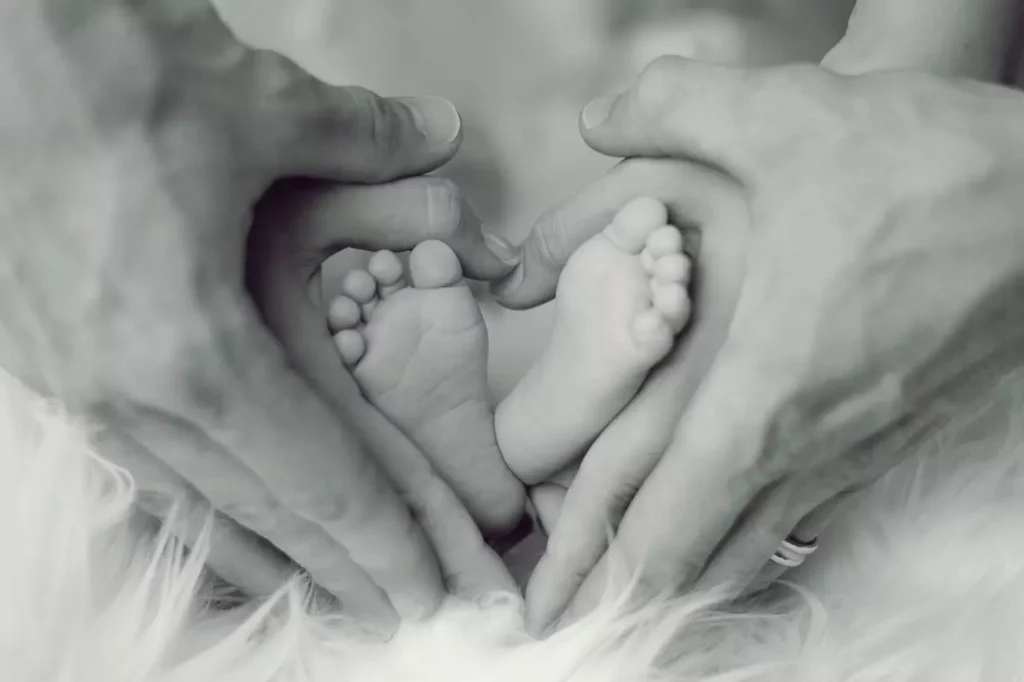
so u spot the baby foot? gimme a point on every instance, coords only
(419, 354)
(621, 300)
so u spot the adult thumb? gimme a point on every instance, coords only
(685, 109)
(308, 128)
(693, 194)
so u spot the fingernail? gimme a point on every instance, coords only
(435, 117)
(597, 111)
(503, 251)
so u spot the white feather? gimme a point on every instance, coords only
(921, 579)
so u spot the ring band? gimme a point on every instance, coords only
(792, 552)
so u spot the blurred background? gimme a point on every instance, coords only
(520, 71)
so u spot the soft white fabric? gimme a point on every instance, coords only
(923, 579)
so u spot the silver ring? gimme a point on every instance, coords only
(792, 552)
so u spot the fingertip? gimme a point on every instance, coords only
(436, 118)
(451, 219)
(535, 278)
(597, 112)
(486, 257)
(599, 122)
(501, 249)
(541, 609)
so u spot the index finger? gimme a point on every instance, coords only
(324, 218)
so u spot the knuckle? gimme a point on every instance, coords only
(332, 507)
(444, 207)
(381, 128)
(178, 367)
(346, 508)
(571, 555)
(551, 239)
(663, 578)
(194, 376)
(431, 500)
(619, 496)
(259, 514)
(816, 101)
(657, 86)
(611, 485)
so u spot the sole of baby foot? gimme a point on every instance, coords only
(417, 346)
(622, 299)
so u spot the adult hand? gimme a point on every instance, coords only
(882, 284)
(138, 138)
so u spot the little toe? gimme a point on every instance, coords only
(634, 222)
(434, 265)
(665, 241)
(386, 268)
(351, 346)
(674, 268)
(343, 313)
(652, 332)
(672, 302)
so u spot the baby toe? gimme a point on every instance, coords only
(351, 346)
(386, 268)
(652, 332)
(343, 313)
(361, 287)
(434, 265)
(672, 303)
(674, 268)
(665, 241)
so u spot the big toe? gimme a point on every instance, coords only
(635, 222)
(433, 265)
